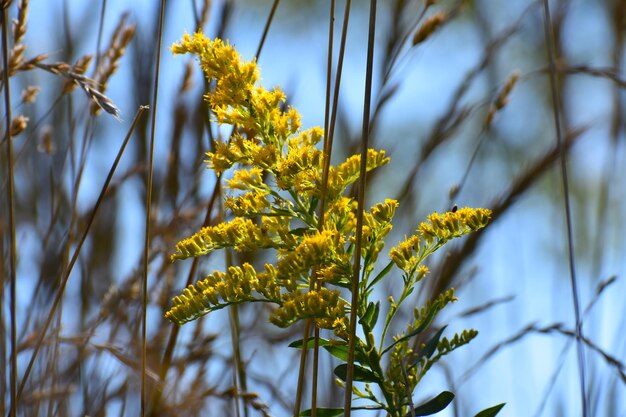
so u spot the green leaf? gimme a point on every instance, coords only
(312, 208)
(301, 231)
(343, 283)
(370, 317)
(324, 412)
(434, 405)
(360, 373)
(380, 275)
(429, 347)
(310, 343)
(340, 351)
(491, 411)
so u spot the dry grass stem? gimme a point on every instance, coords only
(87, 84)
(429, 27)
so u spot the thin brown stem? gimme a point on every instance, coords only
(322, 208)
(556, 100)
(266, 29)
(146, 247)
(302, 366)
(100, 30)
(173, 337)
(11, 203)
(361, 208)
(70, 267)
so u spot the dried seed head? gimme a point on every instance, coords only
(429, 27)
(29, 94)
(87, 84)
(16, 61)
(187, 78)
(20, 65)
(46, 143)
(502, 99)
(122, 35)
(80, 67)
(19, 24)
(454, 190)
(18, 124)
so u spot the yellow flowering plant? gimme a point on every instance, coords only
(275, 191)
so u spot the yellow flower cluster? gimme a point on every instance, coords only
(438, 230)
(443, 227)
(320, 248)
(324, 305)
(274, 191)
(236, 100)
(348, 172)
(250, 204)
(220, 289)
(376, 227)
(241, 234)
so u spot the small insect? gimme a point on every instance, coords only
(454, 208)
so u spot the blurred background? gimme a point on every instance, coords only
(430, 104)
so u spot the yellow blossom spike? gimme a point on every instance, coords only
(246, 179)
(383, 212)
(348, 172)
(220, 289)
(241, 234)
(316, 249)
(249, 204)
(324, 305)
(434, 233)
(444, 227)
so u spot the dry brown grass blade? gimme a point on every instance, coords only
(557, 328)
(456, 113)
(129, 360)
(486, 306)
(109, 62)
(148, 208)
(358, 236)
(558, 113)
(87, 84)
(11, 203)
(68, 271)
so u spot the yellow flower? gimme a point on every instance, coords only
(324, 305)
(313, 250)
(444, 227)
(219, 289)
(242, 234)
(348, 172)
(246, 179)
(249, 204)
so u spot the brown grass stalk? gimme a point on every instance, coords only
(149, 184)
(11, 203)
(67, 273)
(361, 208)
